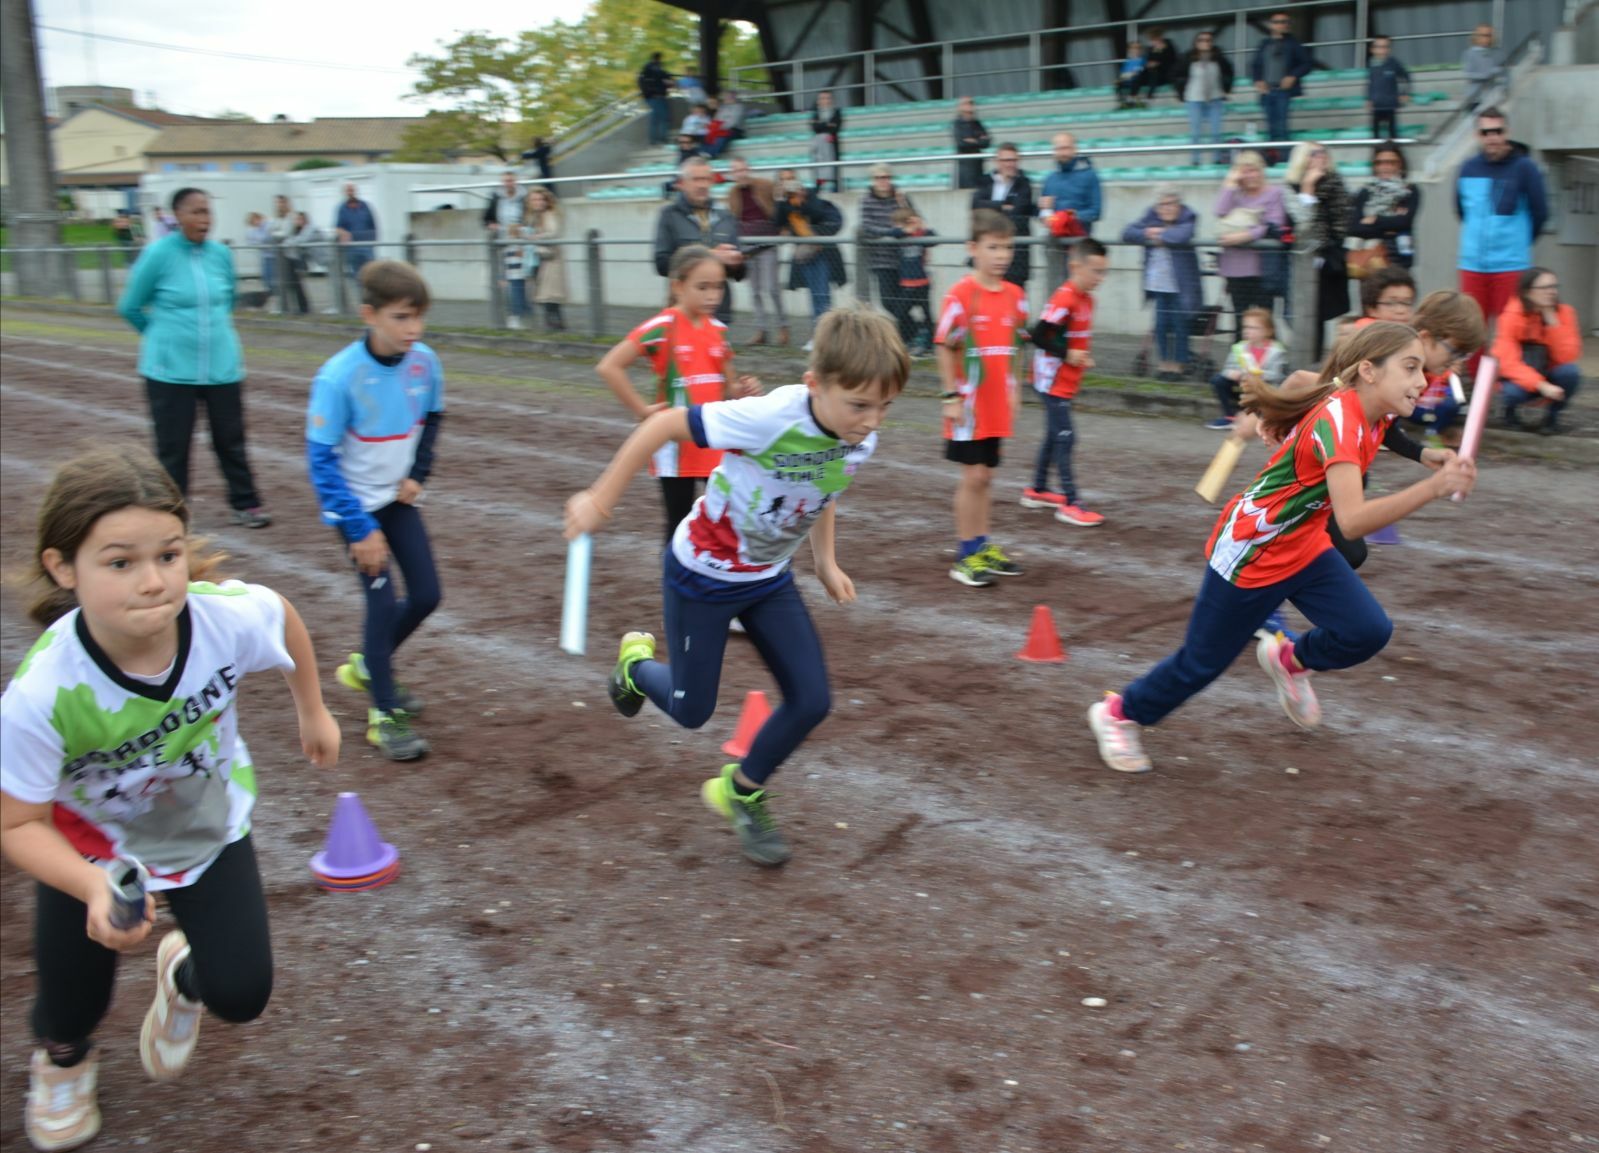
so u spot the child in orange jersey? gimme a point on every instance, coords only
(981, 323)
(693, 362)
(1062, 337)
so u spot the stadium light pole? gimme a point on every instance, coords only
(32, 214)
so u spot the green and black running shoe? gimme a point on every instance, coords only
(635, 647)
(353, 675)
(393, 735)
(747, 813)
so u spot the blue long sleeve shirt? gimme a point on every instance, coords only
(1075, 186)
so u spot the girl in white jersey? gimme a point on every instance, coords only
(789, 454)
(120, 740)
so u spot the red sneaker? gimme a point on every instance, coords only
(1072, 514)
(1041, 498)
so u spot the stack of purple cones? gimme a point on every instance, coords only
(353, 857)
(1388, 534)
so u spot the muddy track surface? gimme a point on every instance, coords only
(1379, 938)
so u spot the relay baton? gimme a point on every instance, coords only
(1482, 395)
(575, 604)
(1221, 467)
(128, 879)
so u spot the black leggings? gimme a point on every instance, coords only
(230, 967)
(172, 408)
(679, 493)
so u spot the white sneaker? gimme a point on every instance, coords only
(1119, 745)
(1294, 693)
(807, 346)
(172, 1026)
(513, 322)
(62, 1112)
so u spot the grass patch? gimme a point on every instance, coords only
(74, 234)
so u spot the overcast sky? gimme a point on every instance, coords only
(371, 40)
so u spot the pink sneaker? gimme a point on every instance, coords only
(1072, 514)
(1294, 693)
(1119, 746)
(1041, 498)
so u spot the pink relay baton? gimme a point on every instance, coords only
(1482, 394)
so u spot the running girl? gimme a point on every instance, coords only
(120, 739)
(797, 449)
(688, 349)
(1270, 543)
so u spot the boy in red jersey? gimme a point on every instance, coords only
(1061, 340)
(982, 321)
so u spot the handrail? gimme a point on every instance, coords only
(1239, 18)
(868, 160)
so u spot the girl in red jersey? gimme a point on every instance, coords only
(1270, 543)
(693, 362)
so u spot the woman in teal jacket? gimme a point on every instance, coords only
(180, 297)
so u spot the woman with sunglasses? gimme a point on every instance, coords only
(1204, 78)
(1386, 208)
(1538, 345)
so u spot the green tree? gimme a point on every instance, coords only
(311, 163)
(501, 92)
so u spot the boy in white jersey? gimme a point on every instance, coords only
(789, 455)
(374, 417)
(119, 739)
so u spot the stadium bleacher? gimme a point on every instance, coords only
(1332, 109)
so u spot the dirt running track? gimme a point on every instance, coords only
(1379, 939)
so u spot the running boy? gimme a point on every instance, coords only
(980, 328)
(1061, 355)
(374, 417)
(119, 740)
(788, 456)
(1270, 543)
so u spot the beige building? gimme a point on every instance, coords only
(100, 153)
(276, 146)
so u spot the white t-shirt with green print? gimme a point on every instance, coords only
(779, 472)
(154, 771)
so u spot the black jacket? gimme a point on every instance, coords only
(1180, 79)
(653, 80)
(824, 219)
(1020, 208)
(679, 226)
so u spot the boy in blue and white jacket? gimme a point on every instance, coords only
(374, 416)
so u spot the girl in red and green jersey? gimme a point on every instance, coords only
(693, 362)
(1271, 544)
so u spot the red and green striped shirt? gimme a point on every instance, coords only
(1278, 525)
(691, 363)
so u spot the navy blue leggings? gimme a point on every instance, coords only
(1056, 448)
(696, 637)
(391, 618)
(1350, 627)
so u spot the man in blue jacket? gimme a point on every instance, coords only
(1502, 205)
(357, 229)
(1073, 185)
(1277, 68)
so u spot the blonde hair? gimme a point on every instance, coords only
(1249, 158)
(93, 485)
(857, 347)
(1280, 409)
(1299, 160)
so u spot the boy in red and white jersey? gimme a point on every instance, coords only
(1061, 340)
(981, 323)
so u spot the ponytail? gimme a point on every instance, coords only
(1280, 409)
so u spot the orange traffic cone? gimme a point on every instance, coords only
(756, 710)
(1043, 642)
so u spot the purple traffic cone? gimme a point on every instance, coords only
(354, 856)
(1387, 534)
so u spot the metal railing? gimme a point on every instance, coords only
(867, 160)
(603, 276)
(865, 64)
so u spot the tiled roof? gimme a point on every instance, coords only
(334, 134)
